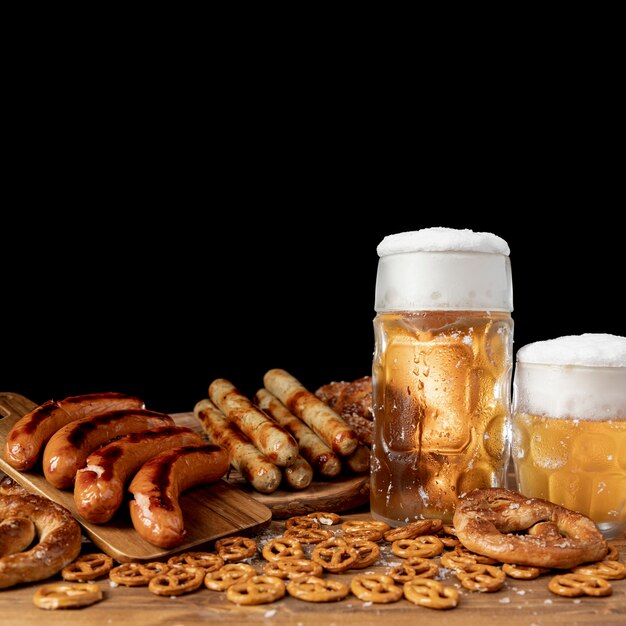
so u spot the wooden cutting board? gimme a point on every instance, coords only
(210, 511)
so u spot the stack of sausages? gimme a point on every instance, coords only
(287, 433)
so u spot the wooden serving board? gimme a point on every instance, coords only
(210, 511)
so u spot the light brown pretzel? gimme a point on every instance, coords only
(414, 529)
(478, 558)
(335, 555)
(16, 534)
(137, 574)
(523, 572)
(368, 552)
(612, 554)
(177, 581)
(208, 561)
(323, 517)
(378, 588)
(415, 567)
(367, 534)
(457, 562)
(359, 524)
(609, 570)
(483, 578)
(256, 590)
(301, 521)
(281, 548)
(88, 567)
(315, 589)
(308, 535)
(228, 575)
(425, 546)
(430, 593)
(67, 595)
(573, 585)
(292, 567)
(233, 549)
(489, 521)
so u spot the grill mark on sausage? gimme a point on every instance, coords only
(41, 414)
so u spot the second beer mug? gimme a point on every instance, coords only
(441, 371)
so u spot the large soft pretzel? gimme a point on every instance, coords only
(489, 522)
(58, 532)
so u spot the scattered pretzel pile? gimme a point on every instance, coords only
(314, 546)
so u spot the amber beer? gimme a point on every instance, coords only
(569, 425)
(441, 372)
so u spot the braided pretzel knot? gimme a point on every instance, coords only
(67, 595)
(378, 588)
(137, 574)
(256, 590)
(292, 567)
(523, 572)
(281, 548)
(228, 575)
(484, 578)
(335, 555)
(425, 546)
(315, 589)
(236, 548)
(308, 535)
(368, 552)
(489, 521)
(208, 561)
(415, 567)
(177, 581)
(573, 585)
(414, 529)
(88, 567)
(431, 594)
(609, 570)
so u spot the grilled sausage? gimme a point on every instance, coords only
(69, 447)
(270, 439)
(359, 460)
(263, 475)
(315, 413)
(156, 488)
(31, 433)
(99, 486)
(299, 474)
(312, 448)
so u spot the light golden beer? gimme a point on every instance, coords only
(441, 405)
(580, 464)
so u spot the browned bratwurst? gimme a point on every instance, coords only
(31, 433)
(312, 448)
(156, 488)
(69, 447)
(299, 474)
(263, 475)
(270, 439)
(315, 413)
(99, 486)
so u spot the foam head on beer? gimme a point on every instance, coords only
(440, 269)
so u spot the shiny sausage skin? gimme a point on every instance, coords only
(99, 486)
(270, 439)
(263, 475)
(359, 460)
(323, 460)
(156, 488)
(299, 475)
(69, 447)
(31, 433)
(310, 409)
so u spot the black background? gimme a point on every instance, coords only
(160, 304)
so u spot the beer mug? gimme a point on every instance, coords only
(569, 425)
(441, 372)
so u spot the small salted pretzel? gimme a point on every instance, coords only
(478, 558)
(414, 529)
(574, 585)
(523, 572)
(378, 588)
(137, 574)
(308, 535)
(301, 521)
(88, 567)
(430, 593)
(177, 581)
(358, 524)
(281, 548)
(368, 552)
(448, 541)
(335, 555)
(67, 595)
(233, 549)
(457, 562)
(292, 567)
(228, 575)
(315, 589)
(483, 578)
(415, 567)
(425, 546)
(367, 534)
(208, 561)
(613, 553)
(256, 590)
(448, 529)
(323, 517)
(609, 570)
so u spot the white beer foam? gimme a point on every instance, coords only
(573, 377)
(590, 349)
(440, 239)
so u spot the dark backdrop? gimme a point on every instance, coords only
(161, 305)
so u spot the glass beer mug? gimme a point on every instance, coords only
(441, 372)
(569, 425)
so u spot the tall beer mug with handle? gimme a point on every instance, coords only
(441, 371)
